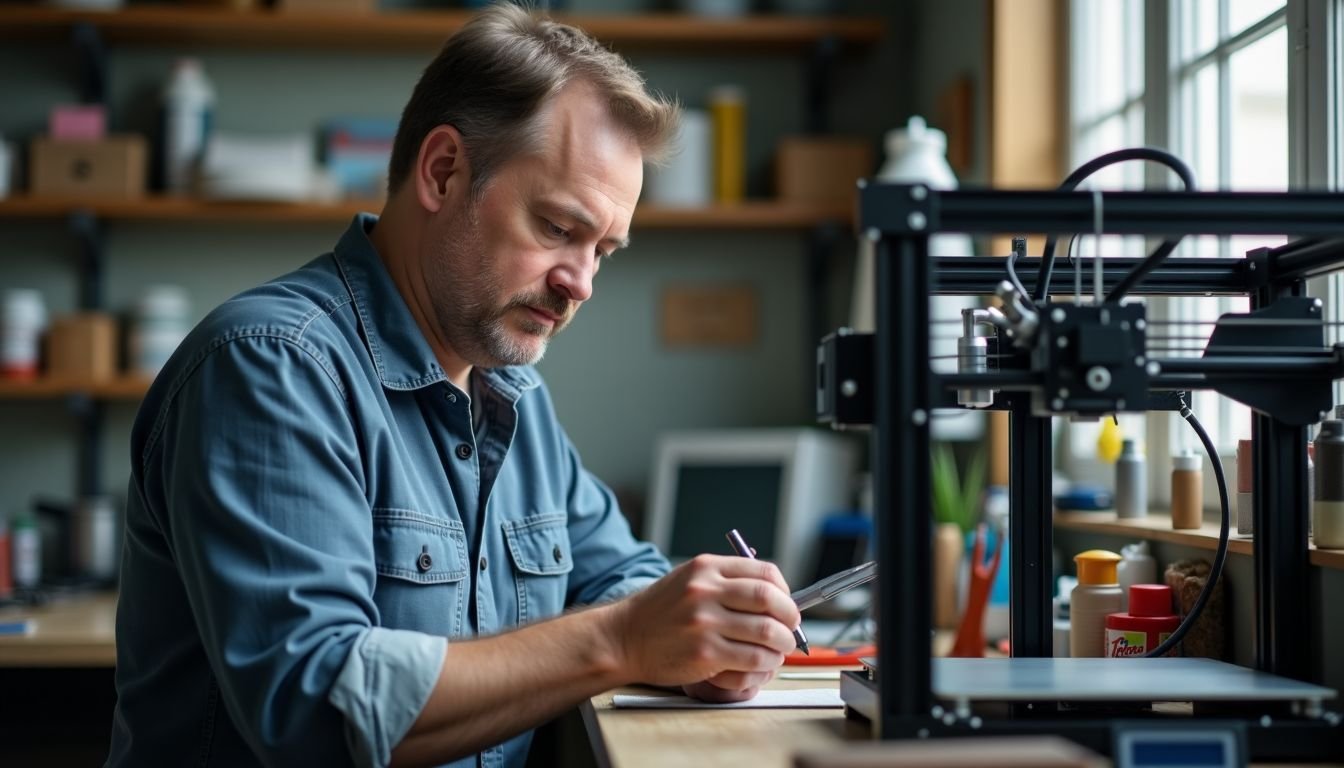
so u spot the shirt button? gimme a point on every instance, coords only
(424, 562)
(463, 451)
(452, 397)
(557, 554)
(484, 562)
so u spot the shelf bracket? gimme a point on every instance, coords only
(92, 248)
(820, 67)
(93, 62)
(89, 413)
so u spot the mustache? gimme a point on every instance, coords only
(551, 302)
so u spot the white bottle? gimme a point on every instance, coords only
(1131, 483)
(188, 103)
(1136, 566)
(1096, 596)
(917, 154)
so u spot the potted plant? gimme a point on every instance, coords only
(956, 510)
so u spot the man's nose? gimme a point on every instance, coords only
(574, 279)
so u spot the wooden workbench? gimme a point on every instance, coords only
(676, 738)
(69, 631)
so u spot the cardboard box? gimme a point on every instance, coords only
(82, 346)
(113, 167)
(821, 169)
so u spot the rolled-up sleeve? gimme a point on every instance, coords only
(382, 688)
(267, 516)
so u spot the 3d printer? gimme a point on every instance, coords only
(1039, 359)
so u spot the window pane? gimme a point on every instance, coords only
(1107, 44)
(1198, 28)
(1200, 146)
(1258, 131)
(1243, 13)
(1258, 135)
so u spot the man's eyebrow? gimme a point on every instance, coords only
(577, 213)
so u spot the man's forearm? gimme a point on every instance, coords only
(493, 688)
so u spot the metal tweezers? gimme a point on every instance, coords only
(834, 584)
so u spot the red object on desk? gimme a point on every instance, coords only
(830, 657)
(970, 642)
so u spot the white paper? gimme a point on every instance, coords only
(810, 674)
(805, 698)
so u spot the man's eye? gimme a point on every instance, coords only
(556, 231)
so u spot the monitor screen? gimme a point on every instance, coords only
(775, 486)
(712, 498)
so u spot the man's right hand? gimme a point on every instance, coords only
(715, 617)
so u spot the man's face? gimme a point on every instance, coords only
(508, 272)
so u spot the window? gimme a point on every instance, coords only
(1217, 83)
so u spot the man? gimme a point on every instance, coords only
(354, 521)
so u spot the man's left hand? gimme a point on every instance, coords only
(728, 687)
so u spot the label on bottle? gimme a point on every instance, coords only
(1125, 643)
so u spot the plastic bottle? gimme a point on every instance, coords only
(1187, 491)
(1097, 595)
(23, 318)
(1328, 488)
(1146, 624)
(1136, 566)
(1131, 482)
(1245, 487)
(26, 561)
(188, 104)
(728, 115)
(161, 322)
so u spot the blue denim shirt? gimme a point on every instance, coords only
(312, 517)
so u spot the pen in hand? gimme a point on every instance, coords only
(741, 548)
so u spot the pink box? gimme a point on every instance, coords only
(77, 122)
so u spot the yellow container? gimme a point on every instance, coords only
(728, 114)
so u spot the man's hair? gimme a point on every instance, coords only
(492, 78)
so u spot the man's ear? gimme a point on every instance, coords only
(442, 174)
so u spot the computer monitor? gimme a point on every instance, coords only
(775, 486)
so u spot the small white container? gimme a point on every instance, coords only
(687, 181)
(160, 324)
(23, 318)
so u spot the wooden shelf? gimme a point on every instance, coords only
(1158, 528)
(186, 26)
(125, 388)
(749, 215)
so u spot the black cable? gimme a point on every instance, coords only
(1087, 169)
(1011, 266)
(1219, 557)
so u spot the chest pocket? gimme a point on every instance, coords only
(542, 559)
(421, 562)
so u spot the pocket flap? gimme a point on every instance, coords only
(540, 544)
(415, 547)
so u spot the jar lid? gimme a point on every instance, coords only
(1150, 600)
(1187, 460)
(1097, 566)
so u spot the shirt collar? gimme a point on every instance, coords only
(400, 353)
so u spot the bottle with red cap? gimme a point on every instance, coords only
(1149, 622)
